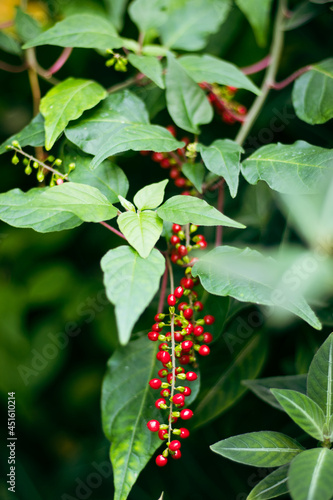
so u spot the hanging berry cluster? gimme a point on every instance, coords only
(221, 99)
(179, 252)
(178, 348)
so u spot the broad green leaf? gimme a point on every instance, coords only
(297, 168)
(313, 93)
(248, 276)
(227, 389)
(272, 486)
(188, 26)
(258, 14)
(127, 406)
(147, 14)
(26, 26)
(320, 378)
(222, 158)
(80, 30)
(149, 66)
(187, 103)
(67, 101)
(262, 449)
(133, 286)
(127, 205)
(116, 10)
(330, 428)
(301, 15)
(184, 209)
(211, 69)
(310, 475)
(32, 135)
(142, 230)
(195, 172)
(261, 387)
(305, 412)
(108, 178)
(150, 196)
(118, 124)
(9, 44)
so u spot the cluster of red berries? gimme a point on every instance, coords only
(221, 99)
(179, 252)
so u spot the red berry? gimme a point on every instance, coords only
(174, 445)
(186, 414)
(176, 228)
(177, 454)
(169, 378)
(242, 110)
(182, 305)
(208, 337)
(178, 399)
(178, 337)
(209, 319)
(189, 329)
(180, 370)
(157, 157)
(59, 181)
(182, 250)
(204, 350)
(172, 130)
(174, 258)
(184, 360)
(191, 376)
(165, 393)
(155, 383)
(174, 239)
(163, 356)
(162, 372)
(232, 89)
(159, 402)
(200, 237)
(144, 153)
(189, 283)
(153, 336)
(153, 425)
(161, 461)
(156, 328)
(165, 163)
(162, 346)
(180, 182)
(202, 244)
(186, 140)
(187, 345)
(179, 323)
(188, 313)
(211, 97)
(198, 305)
(159, 316)
(179, 290)
(198, 330)
(174, 173)
(172, 300)
(184, 433)
(187, 391)
(186, 193)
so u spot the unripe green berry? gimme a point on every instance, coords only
(163, 427)
(181, 376)
(35, 164)
(15, 160)
(165, 385)
(161, 337)
(28, 170)
(200, 322)
(16, 144)
(40, 176)
(58, 162)
(193, 228)
(176, 431)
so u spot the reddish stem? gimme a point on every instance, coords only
(236, 116)
(60, 61)
(290, 79)
(163, 290)
(220, 203)
(13, 69)
(258, 66)
(115, 231)
(6, 24)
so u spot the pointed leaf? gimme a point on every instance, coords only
(262, 449)
(297, 168)
(211, 69)
(116, 11)
(305, 412)
(184, 209)
(32, 135)
(320, 378)
(133, 286)
(150, 196)
(79, 30)
(142, 230)
(272, 486)
(26, 26)
(222, 158)
(149, 66)
(195, 172)
(67, 101)
(147, 14)
(310, 475)
(258, 14)
(186, 101)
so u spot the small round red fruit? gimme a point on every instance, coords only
(184, 433)
(176, 228)
(157, 157)
(208, 337)
(198, 305)
(177, 455)
(172, 299)
(156, 328)
(182, 305)
(188, 283)
(186, 414)
(180, 182)
(179, 292)
(178, 337)
(182, 250)
(187, 345)
(202, 244)
(155, 383)
(184, 360)
(198, 330)
(163, 356)
(153, 425)
(191, 376)
(162, 372)
(174, 445)
(174, 239)
(165, 163)
(187, 391)
(174, 173)
(161, 461)
(153, 336)
(178, 399)
(159, 402)
(204, 350)
(188, 313)
(209, 319)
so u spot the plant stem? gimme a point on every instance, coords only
(115, 231)
(33, 79)
(258, 66)
(187, 234)
(60, 61)
(269, 78)
(41, 163)
(11, 68)
(290, 79)
(173, 356)
(6, 24)
(172, 283)
(220, 203)
(123, 85)
(163, 290)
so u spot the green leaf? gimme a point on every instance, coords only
(195, 172)
(258, 14)
(116, 10)
(32, 135)
(330, 428)
(262, 449)
(320, 378)
(128, 403)
(248, 276)
(187, 103)
(188, 26)
(67, 101)
(26, 26)
(149, 66)
(222, 158)
(227, 389)
(133, 286)
(147, 14)
(313, 93)
(184, 209)
(310, 475)
(108, 178)
(142, 230)
(206, 68)
(9, 44)
(54, 209)
(297, 168)
(305, 412)
(261, 387)
(301, 15)
(150, 196)
(123, 118)
(80, 30)
(272, 486)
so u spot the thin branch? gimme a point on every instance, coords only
(13, 69)
(284, 83)
(60, 61)
(258, 66)
(115, 231)
(123, 85)
(187, 233)
(176, 158)
(41, 163)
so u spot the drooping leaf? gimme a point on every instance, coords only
(79, 30)
(149, 66)
(32, 135)
(67, 101)
(222, 158)
(150, 196)
(297, 168)
(258, 14)
(305, 412)
(142, 230)
(148, 14)
(301, 15)
(272, 486)
(248, 276)
(320, 378)
(195, 172)
(206, 68)
(262, 449)
(227, 389)
(188, 26)
(133, 286)
(9, 44)
(128, 403)
(313, 93)
(186, 101)
(116, 10)
(310, 475)
(184, 209)
(26, 26)
(123, 118)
